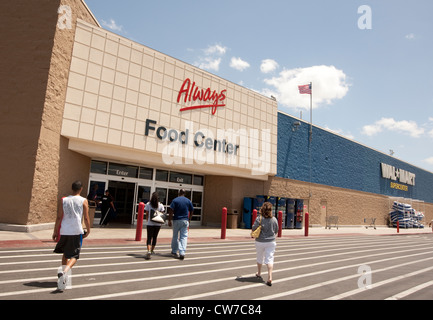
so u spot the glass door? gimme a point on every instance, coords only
(123, 195)
(162, 196)
(97, 189)
(197, 200)
(143, 195)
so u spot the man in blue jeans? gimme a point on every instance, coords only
(180, 211)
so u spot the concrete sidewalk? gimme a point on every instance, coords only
(120, 235)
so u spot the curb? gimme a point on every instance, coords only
(131, 241)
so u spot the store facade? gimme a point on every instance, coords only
(337, 176)
(158, 124)
(124, 117)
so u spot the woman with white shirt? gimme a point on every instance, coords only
(152, 227)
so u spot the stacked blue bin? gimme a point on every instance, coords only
(406, 216)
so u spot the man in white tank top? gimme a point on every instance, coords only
(68, 230)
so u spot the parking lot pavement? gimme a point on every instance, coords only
(361, 267)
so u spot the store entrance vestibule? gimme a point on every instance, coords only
(129, 185)
(123, 195)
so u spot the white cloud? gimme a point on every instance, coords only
(431, 133)
(371, 129)
(428, 160)
(212, 57)
(409, 127)
(341, 133)
(329, 84)
(112, 25)
(208, 63)
(239, 64)
(215, 49)
(410, 36)
(268, 65)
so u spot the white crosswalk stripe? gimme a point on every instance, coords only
(305, 268)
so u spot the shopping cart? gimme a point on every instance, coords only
(372, 223)
(331, 220)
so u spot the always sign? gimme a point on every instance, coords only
(209, 98)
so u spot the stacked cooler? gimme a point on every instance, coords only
(406, 216)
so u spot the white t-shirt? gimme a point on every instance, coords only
(72, 216)
(147, 208)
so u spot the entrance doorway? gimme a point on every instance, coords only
(323, 212)
(123, 195)
(129, 185)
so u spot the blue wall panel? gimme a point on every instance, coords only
(339, 162)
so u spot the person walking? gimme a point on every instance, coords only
(180, 212)
(107, 206)
(152, 227)
(266, 242)
(69, 229)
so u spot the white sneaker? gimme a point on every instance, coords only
(61, 281)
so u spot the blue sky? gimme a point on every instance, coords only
(371, 67)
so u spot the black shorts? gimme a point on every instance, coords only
(70, 246)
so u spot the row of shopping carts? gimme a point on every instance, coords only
(406, 216)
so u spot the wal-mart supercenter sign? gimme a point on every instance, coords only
(392, 173)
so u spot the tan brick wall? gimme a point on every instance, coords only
(227, 192)
(350, 206)
(56, 166)
(25, 61)
(35, 57)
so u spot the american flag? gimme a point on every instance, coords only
(305, 89)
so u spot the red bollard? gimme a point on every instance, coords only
(307, 223)
(280, 223)
(140, 217)
(224, 223)
(398, 226)
(254, 217)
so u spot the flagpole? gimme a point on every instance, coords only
(311, 111)
(309, 146)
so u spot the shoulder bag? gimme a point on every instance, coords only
(157, 216)
(256, 233)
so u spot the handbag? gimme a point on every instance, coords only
(157, 216)
(256, 233)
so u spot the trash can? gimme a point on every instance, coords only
(232, 219)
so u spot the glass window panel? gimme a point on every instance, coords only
(161, 175)
(162, 195)
(98, 167)
(196, 198)
(196, 216)
(172, 193)
(198, 180)
(143, 194)
(122, 170)
(180, 177)
(146, 173)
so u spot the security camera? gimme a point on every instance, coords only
(296, 125)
